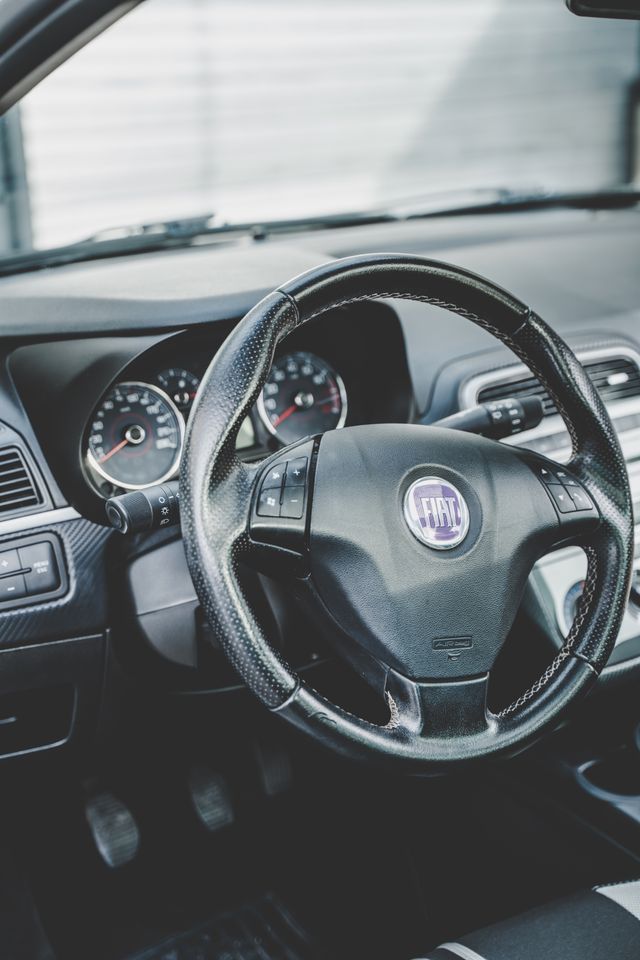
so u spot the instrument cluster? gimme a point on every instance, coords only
(136, 433)
(347, 367)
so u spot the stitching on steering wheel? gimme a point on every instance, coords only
(505, 338)
(434, 301)
(567, 648)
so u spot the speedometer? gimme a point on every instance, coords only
(135, 437)
(302, 396)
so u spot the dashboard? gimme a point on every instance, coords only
(101, 363)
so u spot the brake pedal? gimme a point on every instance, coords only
(274, 765)
(211, 798)
(113, 828)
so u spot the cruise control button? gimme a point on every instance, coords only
(12, 588)
(292, 503)
(9, 562)
(273, 479)
(561, 498)
(269, 503)
(581, 498)
(296, 472)
(44, 575)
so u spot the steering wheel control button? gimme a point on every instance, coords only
(269, 503)
(9, 562)
(436, 513)
(43, 575)
(566, 479)
(546, 475)
(571, 500)
(12, 588)
(279, 515)
(561, 498)
(580, 497)
(274, 478)
(297, 472)
(292, 503)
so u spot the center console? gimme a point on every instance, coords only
(558, 579)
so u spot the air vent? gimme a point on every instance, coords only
(18, 490)
(616, 378)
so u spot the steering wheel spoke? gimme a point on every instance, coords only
(439, 711)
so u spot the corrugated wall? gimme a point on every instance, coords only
(258, 109)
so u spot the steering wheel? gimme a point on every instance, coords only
(413, 542)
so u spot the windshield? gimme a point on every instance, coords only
(257, 110)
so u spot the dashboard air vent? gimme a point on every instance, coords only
(18, 490)
(616, 378)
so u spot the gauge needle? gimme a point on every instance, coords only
(114, 450)
(294, 407)
(328, 399)
(283, 416)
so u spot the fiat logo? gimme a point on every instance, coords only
(436, 513)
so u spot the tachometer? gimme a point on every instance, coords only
(136, 435)
(181, 385)
(302, 396)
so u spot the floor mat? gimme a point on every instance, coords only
(262, 930)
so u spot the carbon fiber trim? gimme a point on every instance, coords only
(83, 610)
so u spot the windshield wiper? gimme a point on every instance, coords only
(185, 227)
(149, 237)
(507, 200)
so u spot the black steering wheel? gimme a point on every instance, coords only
(415, 542)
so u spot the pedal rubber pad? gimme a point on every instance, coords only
(274, 767)
(211, 798)
(113, 828)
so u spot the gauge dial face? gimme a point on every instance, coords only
(181, 385)
(135, 436)
(302, 396)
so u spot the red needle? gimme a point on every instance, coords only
(294, 407)
(283, 416)
(115, 449)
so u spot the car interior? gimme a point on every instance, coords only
(319, 576)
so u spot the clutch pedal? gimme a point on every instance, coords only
(274, 767)
(113, 828)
